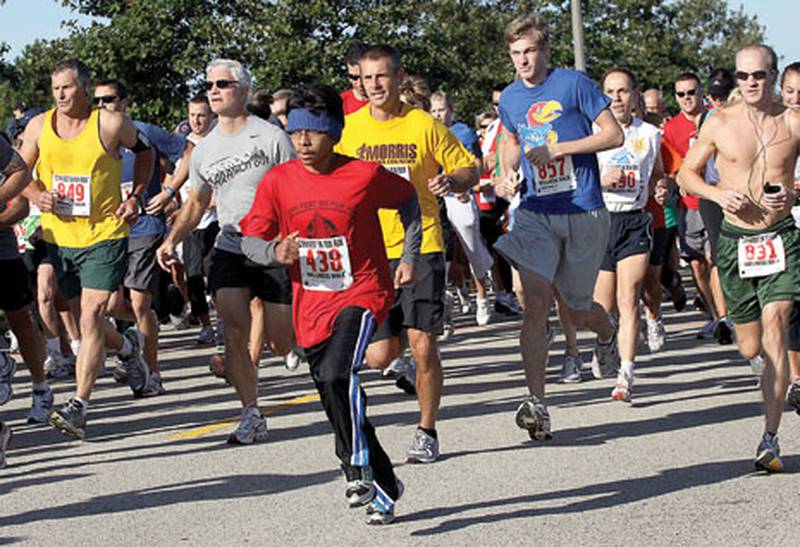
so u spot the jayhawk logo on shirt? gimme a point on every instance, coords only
(539, 130)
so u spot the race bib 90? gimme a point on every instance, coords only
(325, 264)
(761, 255)
(73, 195)
(554, 177)
(629, 182)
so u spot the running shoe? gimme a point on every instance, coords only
(360, 489)
(70, 419)
(699, 304)
(5, 442)
(757, 365)
(623, 388)
(707, 332)
(407, 377)
(206, 336)
(482, 313)
(424, 448)
(54, 366)
(13, 343)
(656, 334)
(41, 406)
(677, 293)
(381, 511)
(292, 361)
(463, 300)
(532, 415)
(793, 395)
(506, 303)
(768, 455)
(449, 328)
(119, 374)
(8, 366)
(153, 387)
(605, 358)
(135, 365)
(252, 427)
(571, 370)
(723, 333)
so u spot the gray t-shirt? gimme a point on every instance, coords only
(8, 241)
(232, 166)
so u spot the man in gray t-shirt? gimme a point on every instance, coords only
(231, 162)
(16, 295)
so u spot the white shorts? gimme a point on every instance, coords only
(465, 219)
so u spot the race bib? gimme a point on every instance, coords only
(554, 177)
(325, 264)
(126, 189)
(74, 195)
(489, 196)
(630, 182)
(761, 255)
(401, 170)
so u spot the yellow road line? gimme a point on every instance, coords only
(204, 430)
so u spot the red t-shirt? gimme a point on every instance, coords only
(350, 103)
(657, 211)
(679, 132)
(325, 209)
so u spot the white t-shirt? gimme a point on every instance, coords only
(796, 209)
(636, 157)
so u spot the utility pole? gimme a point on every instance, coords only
(577, 36)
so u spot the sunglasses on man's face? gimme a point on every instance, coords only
(353, 77)
(221, 84)
(744, 76)
(105, 99)
(689, 92)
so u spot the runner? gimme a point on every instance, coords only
(628, 176)
(411, 143)
(354, 98)
(325, 207)
(142, 275)
(559, 231)
(756, 146)
(230, 161)
(85, 221)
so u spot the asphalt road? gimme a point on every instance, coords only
(673, 468)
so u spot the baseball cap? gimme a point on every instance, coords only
(720, 83)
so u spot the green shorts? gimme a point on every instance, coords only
(101, 266)
(746, 297)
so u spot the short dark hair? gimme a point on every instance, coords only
(317, 98)
(260, 101)
(200, 98)
(498, 88)
(22, 107)
(353, 55)
(382, 51)
(119, 85)
(720, 83)
(683, 76)
(620, 70)
(794, 67)
(80, 68)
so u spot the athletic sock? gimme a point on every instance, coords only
(84, 405)
(429, 432)
(626, 367)
(127, 348)
(74, 345)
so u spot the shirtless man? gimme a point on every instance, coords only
(756, 146)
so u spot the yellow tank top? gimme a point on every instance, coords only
(87, 181)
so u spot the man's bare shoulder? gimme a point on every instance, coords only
(793, 120)
(110, 121)
(34, 127)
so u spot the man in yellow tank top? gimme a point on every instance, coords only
(411, 143)
(76, 151)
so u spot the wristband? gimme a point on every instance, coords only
(169, 190)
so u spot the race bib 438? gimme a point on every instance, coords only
(325, 264)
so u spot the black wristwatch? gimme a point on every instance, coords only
(139, 202)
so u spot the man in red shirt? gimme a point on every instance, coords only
(356, 97)
(324, 207)
(680, 133)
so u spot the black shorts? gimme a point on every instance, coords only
(234, 270)
(491, 223)
(143, 270)
(630, 234)
(420, 306)
(197, 247)
(659, 248)
(36, 256)
(16, 285)
(794, 328)
(712, 216)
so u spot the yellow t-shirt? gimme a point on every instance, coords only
(87, 180)
(415, 146)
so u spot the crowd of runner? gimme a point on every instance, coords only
(344, 231)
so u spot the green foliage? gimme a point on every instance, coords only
(160, 47)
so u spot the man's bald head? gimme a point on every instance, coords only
(654, 101)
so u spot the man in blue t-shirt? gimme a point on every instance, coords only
(561, 226)
(142, 276)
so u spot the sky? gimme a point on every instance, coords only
(23, 21)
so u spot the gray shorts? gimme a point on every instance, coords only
(567, 250)
(142, 273)
(692, 234)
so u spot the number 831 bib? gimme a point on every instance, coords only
(325, 264)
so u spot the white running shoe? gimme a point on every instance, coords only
(13, 343)
(482, 313)
(252, 427)
(757, 365)
(656, 334)
(292, 361)
(54, 366)
(623, 389)
(571, 370)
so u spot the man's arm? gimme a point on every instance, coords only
(15, 210)
(658, 180)
(609, 136)
(18, 176)
(29, 151)
(188, 218)
(172, 183)
(118, 130)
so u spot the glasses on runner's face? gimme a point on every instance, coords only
(353, 77)
(484, 126)
(744, 76)
(689, 92)
(221, 84)
(105, 99)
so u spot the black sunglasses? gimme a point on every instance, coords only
(105, 99)
(353, 77)
(484, 125)
(689, 92)
(758, 75)
(221, 84)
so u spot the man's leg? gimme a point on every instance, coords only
(775, 381)
(630, 277)
(702, 279)
(91, 354)
(231, 303)
(533, 336)
(147, 323)
(279, 329)
(430, 377)
(257, 329)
